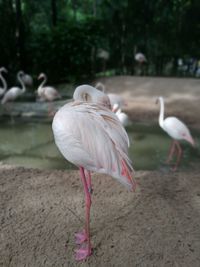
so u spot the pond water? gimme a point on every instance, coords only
(31, 144)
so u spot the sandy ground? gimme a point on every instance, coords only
(158, 225)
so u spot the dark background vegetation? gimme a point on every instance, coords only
(62, 37)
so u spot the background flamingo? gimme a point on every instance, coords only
(4, 83)
(123, 117)
(27, 80)
(47, 93)
(81, 130)
(177, 130)
(14, 92)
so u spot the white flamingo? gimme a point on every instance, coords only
(90, 136)
(177, 130)
(122, 116)
(47, 93)
(140, 57)
(14, 92)
(27, 79)
(4, 83)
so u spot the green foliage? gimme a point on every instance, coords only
(66, 48)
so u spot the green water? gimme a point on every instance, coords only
(31, 144)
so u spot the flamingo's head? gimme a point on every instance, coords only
(3, 69)
(159, 99)
(41, 76)
(20, 73)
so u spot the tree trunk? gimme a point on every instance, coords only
(54, 12)
(20, 35)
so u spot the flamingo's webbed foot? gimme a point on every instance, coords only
(83, 253)
(80, 237)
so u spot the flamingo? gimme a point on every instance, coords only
(90, 136)
(14, 92)
(114, 98)
(4, 88)
(177, 130)
(47, 93)
(140, 57)
(123, 117)
(27, 79)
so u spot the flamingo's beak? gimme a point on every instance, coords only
(191, 141)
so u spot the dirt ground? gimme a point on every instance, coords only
(158, 225)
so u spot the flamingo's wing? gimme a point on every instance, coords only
(94, 138)
(176, 128)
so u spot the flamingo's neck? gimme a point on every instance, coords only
(161, 116)
(40, 88)
(3, 82)
(23, 90)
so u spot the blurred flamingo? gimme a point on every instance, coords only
(177, 130)
(14, 92)
(90, 136)
(4, 83)
(27, 79)
(122, 116)
(47, 93)
(140, 57)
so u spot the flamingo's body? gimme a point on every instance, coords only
(4, 88)
(140, 57)
(177, 130)
(81, 130)
(122, 116)
(14, 92)
(27, 80)
(47, 93)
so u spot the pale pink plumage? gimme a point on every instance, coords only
(47, 93)
(90, 136)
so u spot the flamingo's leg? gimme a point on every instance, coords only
(89, 182)
(171, 152)
(179, 155)
(83, 252)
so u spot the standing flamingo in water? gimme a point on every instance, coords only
(47, 93)
(177, 130)
(14, 92)
(81, 130)
(4, 88)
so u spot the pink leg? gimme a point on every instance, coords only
(179, 155)
(171, 152)
(83, 252)
(89, 182)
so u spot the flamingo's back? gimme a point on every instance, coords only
(92, 137)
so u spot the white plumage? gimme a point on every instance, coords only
(90, 136)
(14, 92)
(177, 130)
